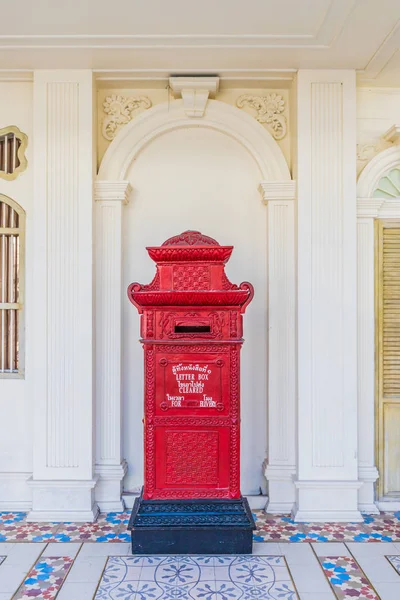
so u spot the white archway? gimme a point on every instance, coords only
(369, 208)
(220, 116)
(112, 190)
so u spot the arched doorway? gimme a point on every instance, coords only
(203, 174)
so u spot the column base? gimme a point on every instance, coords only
(366, 493)
(327, 501)
(258, 502)
(14, 492)
(369, 509)
(389, 505)
(281, 489)
(109, 487)
(63, 500)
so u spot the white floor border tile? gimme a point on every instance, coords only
(20, 559)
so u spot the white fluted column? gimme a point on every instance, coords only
(280, 465)
(327, 478)
(111, 468)
(367, 211)
(63, 481)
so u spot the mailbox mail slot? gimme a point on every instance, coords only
(191, 328)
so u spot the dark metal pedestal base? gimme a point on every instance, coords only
(191, 527)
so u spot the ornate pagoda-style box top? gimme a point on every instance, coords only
(190, 272)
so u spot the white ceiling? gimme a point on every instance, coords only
(246, 39)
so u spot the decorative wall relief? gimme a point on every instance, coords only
(365, 152)
(120, 110)
(270, 109)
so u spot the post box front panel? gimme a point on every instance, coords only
(192, 421)
(192, 384)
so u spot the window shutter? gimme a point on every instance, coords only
(388, 356)
(391, 311)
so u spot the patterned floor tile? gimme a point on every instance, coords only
(275, 528)
(395, 562)
(112, 527)
(88, 532)
(12, 517)
(113, 518)
(346, 578)
(334, 532)
(29, 532)
(196, 578)
(45, 579)
(384, 530)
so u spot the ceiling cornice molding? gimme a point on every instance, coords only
(17, 75)
(326, 33)
(318, 39)
(224, 74)
(253, 77)
(382, 56)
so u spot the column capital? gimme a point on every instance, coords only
(378, 208)
(278, 190)
(112, 191)
(369, 207)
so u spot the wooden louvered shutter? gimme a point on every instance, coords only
(388, 355)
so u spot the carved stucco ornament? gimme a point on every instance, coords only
(119, 111)
(269, 112)
(366, 152)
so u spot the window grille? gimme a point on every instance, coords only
(12, 233)
(12, 152)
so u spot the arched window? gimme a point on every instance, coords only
(389, 185)
(12, 238)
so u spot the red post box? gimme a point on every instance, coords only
(191, 329)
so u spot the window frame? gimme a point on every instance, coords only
(23, 163)
(20, 374)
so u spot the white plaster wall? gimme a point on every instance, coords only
(198, 179)
(15, 398)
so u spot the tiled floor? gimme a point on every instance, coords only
(333, 562)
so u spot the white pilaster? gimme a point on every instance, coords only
(63, 481)
(327, 476)
(110, 197)
(280, 465)
(367, 211)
